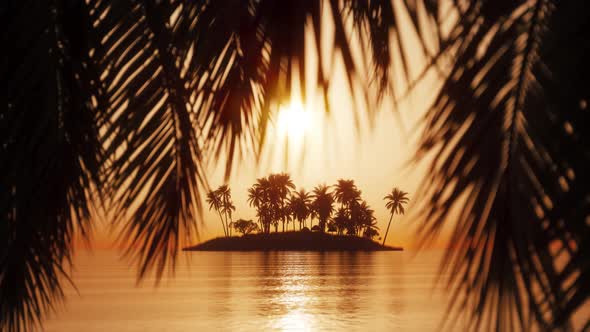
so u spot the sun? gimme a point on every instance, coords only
(293, 121)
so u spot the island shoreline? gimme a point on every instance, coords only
(292, 241)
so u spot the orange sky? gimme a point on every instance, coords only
(376, 155)
(332, 149)
(376, 158)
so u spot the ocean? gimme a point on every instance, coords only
(257, 291)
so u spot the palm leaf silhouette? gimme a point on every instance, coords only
(122, 103)
(127, 100)
(50, 155)
(509, 163)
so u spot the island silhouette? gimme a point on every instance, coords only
(345, 221)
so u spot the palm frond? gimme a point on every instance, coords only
(50, 154)
(167, 86)
(504, 129)
(155, 171)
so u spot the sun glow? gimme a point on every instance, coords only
(293, 121)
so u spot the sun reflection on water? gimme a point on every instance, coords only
(295, 320)
(291, 296)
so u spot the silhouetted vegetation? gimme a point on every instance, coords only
(221, 201)
(275, 201)
(395, 203)
(116, 105)
(322, 205)
(245, 226)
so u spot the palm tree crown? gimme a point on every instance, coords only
(396, 201)
(395, 204)
(227, 205)
(346, 192)
(215, 202)
(323, 205)
(300, 202)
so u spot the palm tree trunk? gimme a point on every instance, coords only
(265, 227)
(387, 231)
(226, 213)
(225, 223)
(229, 225)
(222, 223)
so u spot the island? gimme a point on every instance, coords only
(291, 241)
(344, 221)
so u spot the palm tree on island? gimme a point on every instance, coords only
(215, 203)
(348, 195)
(300, 207)
(282, 185)
(395, 203)
(346, 192)
(269, 197)
(220, 200)
(366, 221)
(371, 230)
(259, 198)
(341, 220)
(322, 205)
(227, 205)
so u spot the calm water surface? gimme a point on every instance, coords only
(379, 291)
